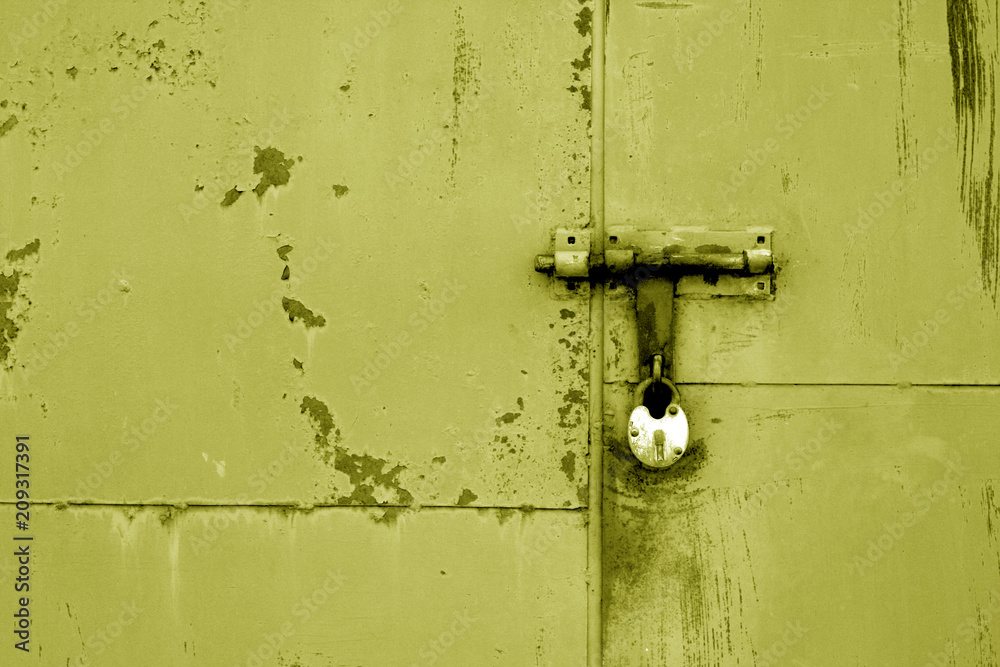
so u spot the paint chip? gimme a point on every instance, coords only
(273, 167)
(231, 197)
(29, 249)
(8, 125)
(296, 310)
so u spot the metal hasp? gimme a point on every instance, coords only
(674, 253)
(661, 265)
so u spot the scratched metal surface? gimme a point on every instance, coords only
(411, 355)
(702, 130)
(819, 518)
(283, 256)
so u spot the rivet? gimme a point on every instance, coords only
(635, 433)
(672, 409)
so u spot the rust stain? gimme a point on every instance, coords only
(973, 46)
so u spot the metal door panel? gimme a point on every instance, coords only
(249, 586)
(809, 526)
(902, 290)
(410, 349)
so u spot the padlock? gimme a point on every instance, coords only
(658, 443)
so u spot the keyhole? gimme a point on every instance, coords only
(660, 440)
(656, 399)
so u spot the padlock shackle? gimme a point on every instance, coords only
(640, 391)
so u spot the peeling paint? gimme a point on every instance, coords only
(28, 250)
(8, 125)
(571, 414)
(568, 465)
(508, 418)
(9, 286)
(273, 167)
(367, 474)
(584, 21)
(296, 310)
(322, 420)
(231, 197)
(467, 498)
(11, 292)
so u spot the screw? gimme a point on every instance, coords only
(672, 409)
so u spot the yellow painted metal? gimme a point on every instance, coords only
(271, 267)
(830, 510)
(142, 586)
(733, 114)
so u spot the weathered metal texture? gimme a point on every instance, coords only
(381, 360)
(229, 277)
(143, 586)
(842, 118)
(811, 523)
(654, 317)
(864, 517)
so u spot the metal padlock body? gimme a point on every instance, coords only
(658, 443)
